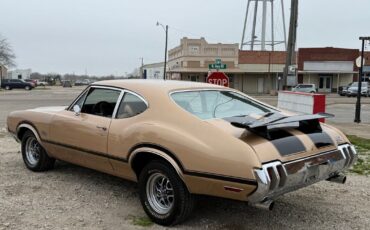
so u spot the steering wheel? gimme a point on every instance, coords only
(102, 108)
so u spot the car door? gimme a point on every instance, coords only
(123, 133)
(81, 138)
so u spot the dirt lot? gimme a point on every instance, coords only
(71, 197)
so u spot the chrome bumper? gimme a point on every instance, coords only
(276, 178)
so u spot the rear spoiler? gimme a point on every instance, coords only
(272, 121)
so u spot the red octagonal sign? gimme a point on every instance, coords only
(218, 78)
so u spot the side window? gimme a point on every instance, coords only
(100, 102)
(130, 106)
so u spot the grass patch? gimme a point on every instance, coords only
(141, 221)
(362, 166)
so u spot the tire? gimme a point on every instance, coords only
(177, 204)
(27, 88)
(34, 155)
(8, 87)
(313, 92)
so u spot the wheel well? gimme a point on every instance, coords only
(21, 132)
(142, 159)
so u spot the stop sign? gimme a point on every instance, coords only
(218, 78)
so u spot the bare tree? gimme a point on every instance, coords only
(7, 56)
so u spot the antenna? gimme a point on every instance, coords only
(249, 37)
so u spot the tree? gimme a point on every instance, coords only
(7, 56)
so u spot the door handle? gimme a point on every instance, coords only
(102, 128)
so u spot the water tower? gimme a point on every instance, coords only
(264, 28)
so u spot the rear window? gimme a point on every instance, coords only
(208, 104)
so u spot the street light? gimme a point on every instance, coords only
(165, 28)
(358, 103)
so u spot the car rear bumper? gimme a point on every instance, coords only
(276, 178)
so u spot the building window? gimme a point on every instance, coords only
(194, 49)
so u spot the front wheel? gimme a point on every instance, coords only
(34, 155)
(163, 194)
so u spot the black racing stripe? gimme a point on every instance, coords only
(186, 172)
(100, 154)
(221, 177)
(321, 139)
(286, 143)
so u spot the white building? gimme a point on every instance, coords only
(153, 71)
(20, 74)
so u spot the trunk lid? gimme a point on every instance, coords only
(281, 142)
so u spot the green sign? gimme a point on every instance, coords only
(217, 65)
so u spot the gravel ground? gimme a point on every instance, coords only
(71, 197)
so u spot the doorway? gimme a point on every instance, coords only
(260, 83)
(325, 84)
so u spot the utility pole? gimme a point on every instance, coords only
(165, 28)
(165, 55)
(142, 67)
(292, 39)
(358, 103)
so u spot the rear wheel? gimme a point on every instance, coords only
(163, 194)
(7, 87)
(27, 88)
(34, 155)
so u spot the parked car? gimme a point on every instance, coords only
(33, 82)
(178, 139)
(42, 83)
(67, 83)
(305, 88)
(342, 90)
(9, 84)
(353, 89)
(83, 82)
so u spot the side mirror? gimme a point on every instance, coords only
(77, 110)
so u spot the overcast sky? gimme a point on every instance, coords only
(109, 36)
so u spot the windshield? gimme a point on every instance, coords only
(208, 104)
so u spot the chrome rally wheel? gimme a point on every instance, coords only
(34, 155)
(160, 193)
(163, 195)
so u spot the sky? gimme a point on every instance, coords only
(103, 37)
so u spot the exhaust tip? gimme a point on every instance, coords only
(272, 205)
(338, 179)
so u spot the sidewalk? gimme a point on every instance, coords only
(360, 130)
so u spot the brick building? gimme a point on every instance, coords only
(259, 71)
(327, 68)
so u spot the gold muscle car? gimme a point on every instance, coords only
(178, 139)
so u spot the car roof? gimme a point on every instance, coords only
(141, 85)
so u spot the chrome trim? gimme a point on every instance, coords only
(276, 178)
(30, 127)
(119, 101)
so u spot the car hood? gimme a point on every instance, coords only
(284, 144)
(50, 109)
